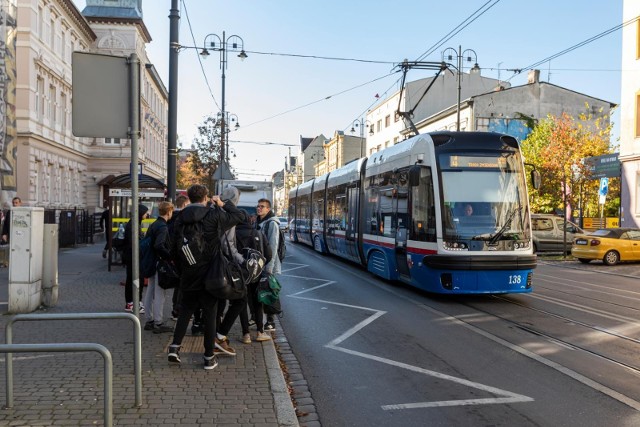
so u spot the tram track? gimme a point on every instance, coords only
(561, 341)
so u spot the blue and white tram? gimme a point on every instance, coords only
(446, 212)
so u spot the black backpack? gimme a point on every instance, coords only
(192, 248)
(282, 248)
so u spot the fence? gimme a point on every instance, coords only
(75, 225)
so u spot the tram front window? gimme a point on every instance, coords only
(483, 205)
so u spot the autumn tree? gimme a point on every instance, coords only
(205, 158)
(187, 175)
(557, 146)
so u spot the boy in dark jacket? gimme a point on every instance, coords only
(215, 221)
(127, 258)
(161, 246)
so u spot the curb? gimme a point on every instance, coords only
(285, 412)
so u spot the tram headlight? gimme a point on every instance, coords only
(455, 246)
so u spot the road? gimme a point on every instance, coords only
(376, 353)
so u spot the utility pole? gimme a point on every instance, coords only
(172, 126)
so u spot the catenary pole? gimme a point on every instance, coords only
(172, 143)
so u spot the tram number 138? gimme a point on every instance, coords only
(516, 279)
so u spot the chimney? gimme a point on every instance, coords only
(533, 76)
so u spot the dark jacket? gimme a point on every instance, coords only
(249, 237)
(127, 253)
(215, 222)
(160, 238)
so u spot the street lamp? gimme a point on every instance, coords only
(460, 55)
(361, 124)
(223, 45)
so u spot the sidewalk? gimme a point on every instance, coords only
(66, 389)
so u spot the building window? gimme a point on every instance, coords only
(39, 97)
(395, 140)
(379, 125)
(112, 140)
(52, 104)
(40, 22)
(638, 39)
(387, 121)
(637, 115)
(63, 112)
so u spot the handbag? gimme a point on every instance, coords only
(225, 278)
(168, 276)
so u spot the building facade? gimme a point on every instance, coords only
(46, 165)
(630, 117)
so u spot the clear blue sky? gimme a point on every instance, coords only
(278, 98)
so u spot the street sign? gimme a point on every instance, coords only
(603, 190)
(607, 165)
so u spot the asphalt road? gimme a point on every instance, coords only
(376, 353)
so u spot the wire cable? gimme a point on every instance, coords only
(333, 58)
(184, 5)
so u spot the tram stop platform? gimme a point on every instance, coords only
(67, 388)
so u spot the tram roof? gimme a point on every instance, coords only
(396, 155)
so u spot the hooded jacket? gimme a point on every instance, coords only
(231, 194)
(271, 228)
(215, 222)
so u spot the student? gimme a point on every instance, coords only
(271, 228)
(127, 258)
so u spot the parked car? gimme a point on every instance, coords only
(284, 223)
(548, 233)
(611, 245)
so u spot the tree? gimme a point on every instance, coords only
(557, 147)
(186, 173)
(206, 155)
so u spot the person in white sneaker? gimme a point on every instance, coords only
(127, 258)
(271, 230)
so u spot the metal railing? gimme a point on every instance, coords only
(67, 347)
(137, 344)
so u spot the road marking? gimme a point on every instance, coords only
(505, 396)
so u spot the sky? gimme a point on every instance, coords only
(286, 88)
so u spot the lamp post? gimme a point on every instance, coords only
(460, 54)
(225, 122)
(223, 45)
(361, 124)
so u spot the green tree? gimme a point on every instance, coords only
(205, 158)
(557, 147)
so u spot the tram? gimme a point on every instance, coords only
(446, 212)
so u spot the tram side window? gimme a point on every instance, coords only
(318, 211)
(380, 217)
(423, 225)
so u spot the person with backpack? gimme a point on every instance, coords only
(247, 236)
(127, 259)
(181, 202)
(196, 237)
(268, 223)
(160, 245)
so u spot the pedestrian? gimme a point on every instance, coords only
(203, 227)
(161, 246)
(6, 227)
(229, 248)
(269, 224)
(247, 236)
(106, 227)
(127, 258)
(181, 202)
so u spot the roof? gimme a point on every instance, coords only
(124, 181)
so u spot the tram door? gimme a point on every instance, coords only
(401, 213)
(351, 231)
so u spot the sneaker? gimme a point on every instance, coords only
(141, 309)
(174, 354)
(210, 362)
(246, 339)
(162, 328)
(129, 307)
(252, 322)
(104, 253)
(262, 336)
(196, 329)
(148, 326)
(269, 327)
(224, 347)
(174, 315)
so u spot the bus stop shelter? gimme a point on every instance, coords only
(151, 191)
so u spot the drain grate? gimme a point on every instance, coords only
(190, 344)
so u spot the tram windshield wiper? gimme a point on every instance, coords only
(505, 227)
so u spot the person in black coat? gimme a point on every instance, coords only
(127, 258)
(6, 227)
(215, 221)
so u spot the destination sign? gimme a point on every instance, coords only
(477, 162)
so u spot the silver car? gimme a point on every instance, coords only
(548, 233)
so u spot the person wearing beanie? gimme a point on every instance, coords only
(127, 258)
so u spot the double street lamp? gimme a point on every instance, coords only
(223, 45)
(361, 124)
(450, 53)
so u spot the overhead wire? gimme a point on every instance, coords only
(193, 39)
(574, 47)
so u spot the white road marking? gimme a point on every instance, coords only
(505, 396)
